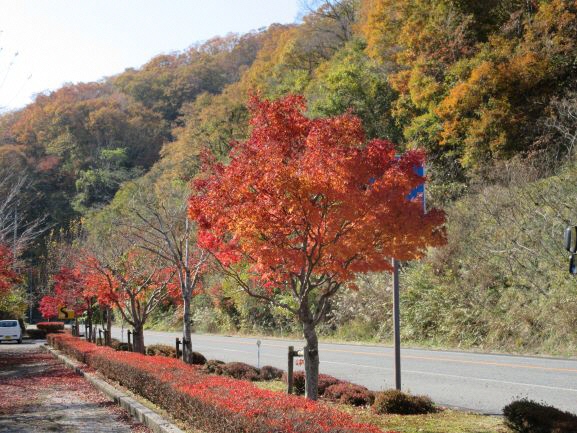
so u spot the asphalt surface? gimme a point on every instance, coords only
(478, 382)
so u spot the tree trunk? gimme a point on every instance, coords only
(89, 323)
(311, 355)
(186, 330)
(138, 338)
(108, 329)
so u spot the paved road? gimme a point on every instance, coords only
(39, 395)
(478, 382)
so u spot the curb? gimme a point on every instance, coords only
(144, 415)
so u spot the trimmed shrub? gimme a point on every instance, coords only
(527, 416)
(240, 370)
(349, 393)
(398, 402)
(299, 382)
(117, 345)
(213, 366)
(161, 350)
(325, 381)
(210, 403)
(198, 358)
(49, 327)
(36, 333)
(80, 350)
(269, 372)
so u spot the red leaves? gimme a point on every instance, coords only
(302, 191)
(8, 277)
(70, 291)
(49, 307)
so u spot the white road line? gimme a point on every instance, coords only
(455, 376)
(426, 373)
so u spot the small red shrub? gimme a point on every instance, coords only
(240, 370)
(213, 366)
(50, 326)
(397, 402)
(299, 382)
(325, 381)
(198, 358)
(161, 350)
(349, 393)
(270, 373)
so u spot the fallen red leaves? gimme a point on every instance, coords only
(32, 376)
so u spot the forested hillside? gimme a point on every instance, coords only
(487, 89)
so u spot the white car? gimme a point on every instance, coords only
(10, 331)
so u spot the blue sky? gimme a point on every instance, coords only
(61, 41)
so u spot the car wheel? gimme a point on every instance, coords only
(20, 341)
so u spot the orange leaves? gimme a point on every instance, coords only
(311, 195)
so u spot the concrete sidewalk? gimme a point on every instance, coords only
(38, 394)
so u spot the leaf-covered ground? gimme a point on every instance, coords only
(40, 395)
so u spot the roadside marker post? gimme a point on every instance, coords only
(258, 342)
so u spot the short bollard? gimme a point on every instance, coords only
(178, 348)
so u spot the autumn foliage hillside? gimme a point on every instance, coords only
(487, 89)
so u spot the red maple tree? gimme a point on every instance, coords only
(70, 291)
(307, 204)
(8, 278)
(135, 284)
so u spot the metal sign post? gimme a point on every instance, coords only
(397, 324)
(415, 194)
